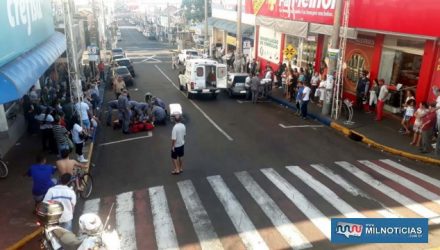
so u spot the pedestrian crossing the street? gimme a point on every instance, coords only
(269, 208)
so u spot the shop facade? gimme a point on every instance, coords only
(399, 48)
(31, 47)
(224, 27)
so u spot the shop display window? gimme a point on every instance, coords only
(306, 51)
(400, 64)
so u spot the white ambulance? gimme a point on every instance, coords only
(203, 77)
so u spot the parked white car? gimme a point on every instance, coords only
(187, 54)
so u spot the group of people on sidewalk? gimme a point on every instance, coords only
(46, 187)
(300, 85)
(423, 119)
(64, 125)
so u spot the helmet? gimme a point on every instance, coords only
(148, 96)
(90, 224)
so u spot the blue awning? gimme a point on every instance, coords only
(231, 27)
(19, 75)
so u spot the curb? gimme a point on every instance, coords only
(358, 136)
(21, 243)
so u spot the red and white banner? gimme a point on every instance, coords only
(315, 11)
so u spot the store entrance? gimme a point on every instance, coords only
(400, 66)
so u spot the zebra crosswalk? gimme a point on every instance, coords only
(295, 214)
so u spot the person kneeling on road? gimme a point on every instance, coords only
(158, 115)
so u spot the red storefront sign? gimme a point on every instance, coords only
(403, 16)
(315, 11)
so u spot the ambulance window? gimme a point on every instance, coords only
(199, 71)
(221, 72)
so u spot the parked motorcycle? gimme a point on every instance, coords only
(92, 233)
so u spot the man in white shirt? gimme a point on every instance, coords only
(67, 197)
(383, 96)
(177, 144)
(82, 109)
(305, 100)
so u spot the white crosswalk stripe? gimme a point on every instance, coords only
(161, 228)
(316, 216)
(125, 220)
(403, 181)
(199, 217)
(330, 196)
(393, 194)
(91, 206)
(412, 172)
(243, 224)
(163, 224)
(385, 212)
(290, 233)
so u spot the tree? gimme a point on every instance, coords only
(194, 10)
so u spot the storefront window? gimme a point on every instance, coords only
(306, 50)
(400, 64)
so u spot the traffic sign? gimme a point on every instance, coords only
(289, 52)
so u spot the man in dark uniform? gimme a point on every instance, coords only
(124, 110)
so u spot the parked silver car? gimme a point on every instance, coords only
(237, 85)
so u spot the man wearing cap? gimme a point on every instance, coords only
(124, 110)
(177, 144)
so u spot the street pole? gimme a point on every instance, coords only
(333, 54)
(206, 42)
(239, 40)
(72, 60)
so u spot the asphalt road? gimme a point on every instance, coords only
(224, 137)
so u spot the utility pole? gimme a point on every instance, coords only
(333, 54)
(206, 42)
(72, 60)
(239, 39)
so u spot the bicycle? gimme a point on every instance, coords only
(3, 168)
(85, 181)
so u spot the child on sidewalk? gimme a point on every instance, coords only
(420, 113)
(409, 113)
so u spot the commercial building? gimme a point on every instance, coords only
(30, 45)
(395, 40)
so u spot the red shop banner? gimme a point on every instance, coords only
(315, 11)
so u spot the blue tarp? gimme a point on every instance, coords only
(19, 75)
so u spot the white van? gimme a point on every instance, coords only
(203, 77)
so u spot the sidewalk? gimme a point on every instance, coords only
(17, 219)
(384, 132)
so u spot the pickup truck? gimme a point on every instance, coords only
(188, 54)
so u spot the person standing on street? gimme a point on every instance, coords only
(177, 144)
(124, 110)
(41, 174)
(362, 87)
(428, 122)
(118, 86)
(255, 84)
(67, 197)
(383, 96)
(305, 100)
(101, 68)
(46, 123)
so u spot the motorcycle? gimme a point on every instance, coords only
(93, 234)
